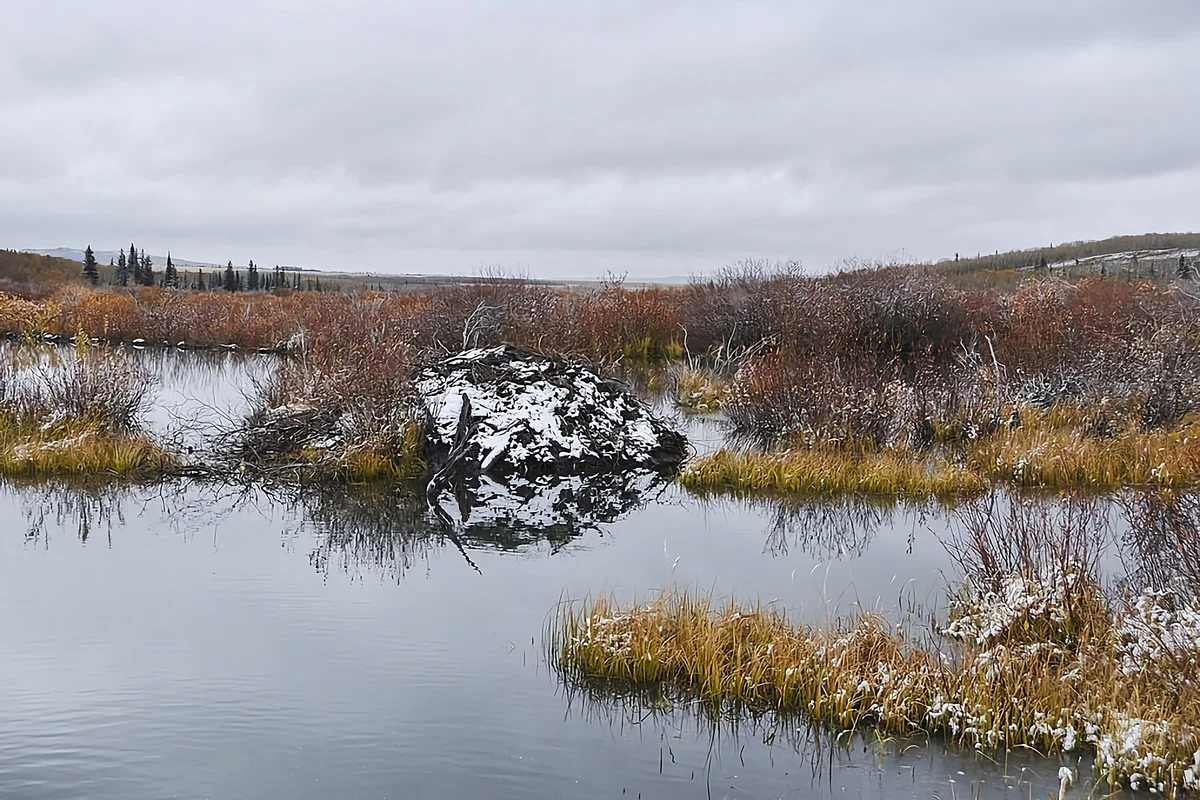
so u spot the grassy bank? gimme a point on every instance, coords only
(77, 414)
(79, 450)
(830, 472)
(1045, 450)
(377, 459)
(1029, 664)
(890, 381)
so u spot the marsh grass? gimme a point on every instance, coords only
(79, 449)
(699, 391)
(1032, 651)
(831, 471)
(379, 459)
(1055, 449)
(77, 415)
(1026, 684)
(1053, 453)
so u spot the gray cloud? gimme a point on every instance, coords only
(572, 137)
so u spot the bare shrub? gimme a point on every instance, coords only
(97, 386)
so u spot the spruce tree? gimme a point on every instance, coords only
(147, 270)
(1185, 269)
(230, 278)
(135, 264)
(200, 287)
(121, 276)
(170, 274)
(90, 271)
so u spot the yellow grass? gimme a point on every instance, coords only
(1048, 687)
(700, 391)
(826, 471)
(366, 462)
(1053, 450)
(79, 449)
(1052, 456)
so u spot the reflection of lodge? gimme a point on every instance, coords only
(521, 511)
(388, 529)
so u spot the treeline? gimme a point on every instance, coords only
(1068, 252)
(135, 268)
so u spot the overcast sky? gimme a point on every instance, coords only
(570, 138)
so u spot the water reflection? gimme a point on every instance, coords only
(391, 528)
(830, 529)
(557, 510)
(86, 512)
(355, 528)
(1163, 539)
(201, 656)
(825, 762)
(372, 529)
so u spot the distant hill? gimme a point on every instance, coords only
(1146, 255)
(24, 272)
(103, 257)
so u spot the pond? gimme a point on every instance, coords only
(192, 640)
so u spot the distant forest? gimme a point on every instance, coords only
(1068, 252)
(33, 274)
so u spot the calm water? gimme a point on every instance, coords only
(193, 641)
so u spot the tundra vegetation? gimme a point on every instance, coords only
(891, 380)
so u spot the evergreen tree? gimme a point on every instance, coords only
(170, 274)
(135, 264)
(230, 278)
(252, 277)
(200, 281)
(90, 271)
(147, 270)
(1042, 263)
(121, 276)
(1185, 269)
